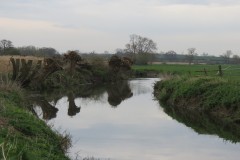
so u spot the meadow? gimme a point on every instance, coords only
(231, 72)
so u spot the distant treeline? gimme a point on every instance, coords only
(7, 48)
(205, 59)
(139, 57)
(181, 58)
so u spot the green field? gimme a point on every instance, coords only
(229, 71)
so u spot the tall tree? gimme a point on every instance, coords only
(140, 45)
(236, 59)
(4, 45)
(226, 56)
(170, 55)
(190, 55)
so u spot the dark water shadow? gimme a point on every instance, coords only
(47, 100)
(48, 110)
(73, 109)
(118, 92)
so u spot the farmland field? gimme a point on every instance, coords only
(229, 71)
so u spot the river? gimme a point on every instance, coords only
(123, 122)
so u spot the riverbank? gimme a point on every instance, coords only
(217, 97)
(23, 135)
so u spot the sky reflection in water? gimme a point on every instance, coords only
(135, 129)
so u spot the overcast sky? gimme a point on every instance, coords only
(210, 26)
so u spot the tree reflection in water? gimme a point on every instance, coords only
(117, 93)
(48, 110)
(73, 109)
(203, 123)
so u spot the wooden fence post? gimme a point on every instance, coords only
(205, 71)
(220, 70)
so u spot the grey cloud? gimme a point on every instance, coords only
(153, 18)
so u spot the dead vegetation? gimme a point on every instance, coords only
(5, 64)
(34, 71)
(116, 63)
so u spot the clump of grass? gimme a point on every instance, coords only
(65, 140)
(6, 84)
(3, 152)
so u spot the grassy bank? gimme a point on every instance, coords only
(218, 97)
(23, 135)
(209, 105)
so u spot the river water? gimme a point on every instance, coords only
(123, 122)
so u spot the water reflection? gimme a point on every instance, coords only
(48, 111)
(133, 126)
(203, 123)
(117, 92)
(73, 109)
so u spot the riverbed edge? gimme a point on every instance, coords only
(218, 97)
(209, 105)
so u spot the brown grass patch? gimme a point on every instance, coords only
(6, 66)
(3, 122)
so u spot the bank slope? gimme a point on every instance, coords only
(194, 100)
(23, 135)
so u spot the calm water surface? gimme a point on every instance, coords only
(124, 122)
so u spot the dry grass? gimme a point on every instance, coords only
(7, 85)
(6, 66)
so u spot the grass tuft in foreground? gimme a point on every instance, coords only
(24, 136)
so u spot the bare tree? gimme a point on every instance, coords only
(236, 59)
(5, 44)
(171, 55)
(119, 51)
(227, 55)
(140, 45)
(190, 55)
(204, 54)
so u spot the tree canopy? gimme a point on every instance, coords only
(139, 44)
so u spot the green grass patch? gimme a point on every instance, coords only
(229, 71)
(23, 135)
(202, 93)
